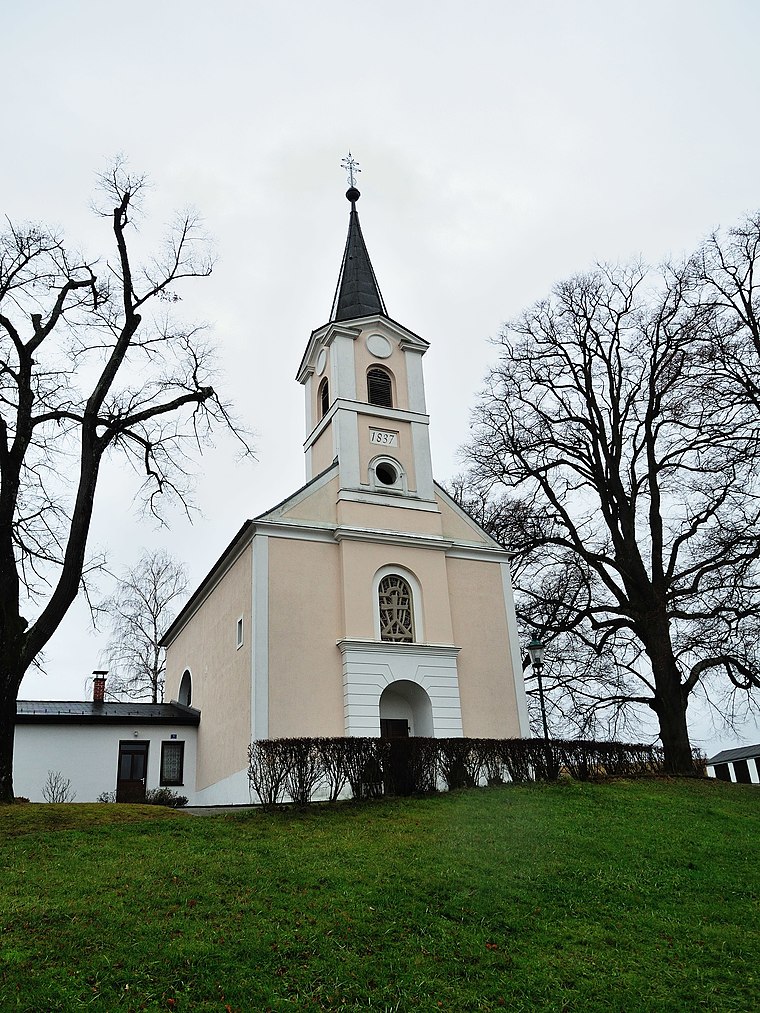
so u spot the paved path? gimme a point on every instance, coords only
(214, 810)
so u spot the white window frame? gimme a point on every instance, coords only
(162, 780)
(239, 638)
(400, 485)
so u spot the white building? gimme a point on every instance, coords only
(741, 765)
(102, 747)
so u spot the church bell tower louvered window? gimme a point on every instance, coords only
(379, 388)
(324, 398)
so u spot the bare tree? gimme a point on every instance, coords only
(613, 416)
(92, 364)
(586, 692)
(57, 788)
(140, 611)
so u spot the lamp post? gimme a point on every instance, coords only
(536, 653)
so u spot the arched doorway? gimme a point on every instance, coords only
(405, 709)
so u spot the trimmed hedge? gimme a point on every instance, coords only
(303, 768)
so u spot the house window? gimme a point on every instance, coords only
(324, 398)
(395, 601)
(172, 763)
(379, 387)
(239, 633)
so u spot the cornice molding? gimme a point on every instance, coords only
(296, 529)
(331, 533)
(461, 550)
(352, 533)
(373, 498)
(323, 336)
(376, 647)
(362, 408)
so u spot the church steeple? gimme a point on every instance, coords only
(365, 393)
(357, 293)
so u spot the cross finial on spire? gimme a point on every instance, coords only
(351, 166)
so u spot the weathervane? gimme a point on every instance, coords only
(351, 166)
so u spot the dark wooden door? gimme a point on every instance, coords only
(133, 768)
(394, 728)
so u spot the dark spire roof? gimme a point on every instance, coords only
(357, 293)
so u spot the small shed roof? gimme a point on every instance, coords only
(729, 755)
(90, 712)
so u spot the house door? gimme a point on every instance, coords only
(133, 768)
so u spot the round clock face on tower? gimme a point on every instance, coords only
(379, 346)
(321, 361)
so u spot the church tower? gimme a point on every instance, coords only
(365, 394)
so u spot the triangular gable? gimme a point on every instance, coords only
(315, 502)
(323, 335)
(457, 523)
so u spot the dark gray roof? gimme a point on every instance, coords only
(357, 294)
(87, 712)
(728, 755)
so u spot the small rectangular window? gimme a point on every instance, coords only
(172, 763)
(239, 633)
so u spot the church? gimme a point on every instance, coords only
(367, 603)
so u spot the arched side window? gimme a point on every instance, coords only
(185, 695)
(324, 398)
(379, 387)
(396, 609)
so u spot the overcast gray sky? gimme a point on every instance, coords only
(503, 146)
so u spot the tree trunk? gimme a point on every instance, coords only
(7, 732)
(670, 704)
(675, 741)
(12, 668)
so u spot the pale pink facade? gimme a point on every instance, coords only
(290, 633)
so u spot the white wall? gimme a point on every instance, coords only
(88, 755)
(369, 667)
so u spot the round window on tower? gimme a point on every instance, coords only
(386, 473)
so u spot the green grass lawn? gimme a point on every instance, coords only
(621, 896)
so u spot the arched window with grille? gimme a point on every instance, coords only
(324, 398)
(379, 387)
(396, 609)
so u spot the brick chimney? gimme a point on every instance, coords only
(99, 687)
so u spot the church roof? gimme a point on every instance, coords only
(357, 293)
